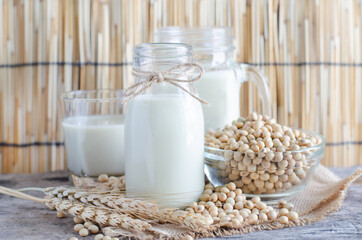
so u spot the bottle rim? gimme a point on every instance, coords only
(162, 50)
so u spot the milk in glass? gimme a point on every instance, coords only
(95, 144)
(222, 90)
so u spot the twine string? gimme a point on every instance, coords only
(173, 76)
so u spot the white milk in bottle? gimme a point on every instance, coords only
(172, 146)
(95, 144)
(164, 131)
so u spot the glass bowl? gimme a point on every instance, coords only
(271, 176)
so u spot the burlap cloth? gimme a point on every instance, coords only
(322, 196)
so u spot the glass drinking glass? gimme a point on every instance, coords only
(164, 131)
(93, 126)
(220, 85)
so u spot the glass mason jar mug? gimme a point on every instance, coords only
(220, 85)
(164, 129)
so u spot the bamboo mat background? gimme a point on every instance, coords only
(311, 52)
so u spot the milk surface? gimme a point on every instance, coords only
(222, 90)
(95, 144)
(164, 149)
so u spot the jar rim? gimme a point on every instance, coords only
(215, 32)
(201, 38)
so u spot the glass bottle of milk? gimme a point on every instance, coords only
(220, 85)
(164, 132)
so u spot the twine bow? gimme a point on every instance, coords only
(172, 76)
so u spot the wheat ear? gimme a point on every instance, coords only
(117, 202)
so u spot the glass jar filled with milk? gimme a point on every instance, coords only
(164, 127)
(93, 129)
(220, 85)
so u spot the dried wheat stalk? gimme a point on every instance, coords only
(102, 216)
(114, 202)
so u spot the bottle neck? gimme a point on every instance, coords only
(160, 56)
(154, 60)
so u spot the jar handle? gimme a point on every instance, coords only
(254, 75)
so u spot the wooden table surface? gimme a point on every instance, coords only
(22, 219)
